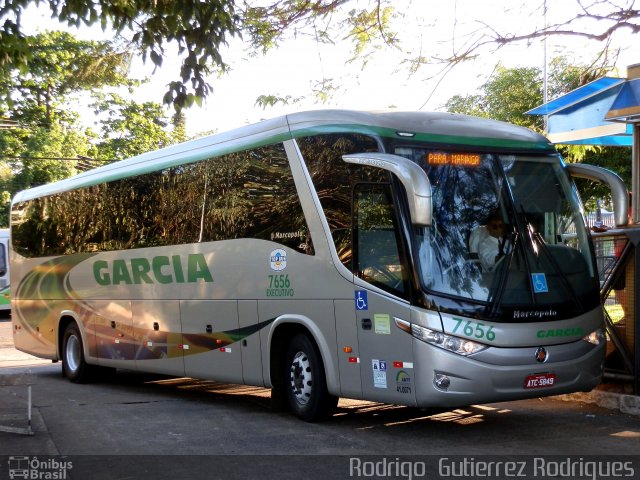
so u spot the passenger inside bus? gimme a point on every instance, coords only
(492, 244)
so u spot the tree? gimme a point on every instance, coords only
(199, 29)
(47, 142)
(37, 154)
(59, 65)
(50, 154)
(594, 20)
(130, 128)
(202, 29)
(506, 96)
(508, 93)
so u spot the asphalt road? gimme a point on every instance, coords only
(142, 426)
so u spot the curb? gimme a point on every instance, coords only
(629, 404)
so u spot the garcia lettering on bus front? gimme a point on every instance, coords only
(162, 269)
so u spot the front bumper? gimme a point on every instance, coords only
(472, 381)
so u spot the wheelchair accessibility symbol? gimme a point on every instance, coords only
(361, 300)
(539, 283)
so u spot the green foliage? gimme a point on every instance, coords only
(265, 101)
(468, 105)
(616, 159)
(368, 26)
(510, 92)
(198, 28)
(267, 24)
(131, 128)
(35, 156)
(513, 92)
(507, 94)
(58, 65)
(49, 143)
(6, 179)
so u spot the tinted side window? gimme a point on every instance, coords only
(334, 181)
(377, 258)
(248, 194)
(3, 259)
(251, 194)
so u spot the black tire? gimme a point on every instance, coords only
(305, 381)
(74, 366)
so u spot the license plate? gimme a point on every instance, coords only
(540, 380)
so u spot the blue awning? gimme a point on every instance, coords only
(626, 106)
(594, 114)
(578, 95)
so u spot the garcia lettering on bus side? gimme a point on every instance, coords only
(162, 269)
(560, 332)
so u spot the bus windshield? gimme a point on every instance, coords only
(507, 232)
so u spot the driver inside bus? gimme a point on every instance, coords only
(495, 245)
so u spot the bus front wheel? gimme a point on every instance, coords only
(74, 366)
(305, 381)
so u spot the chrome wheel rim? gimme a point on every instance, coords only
(301, 379)
(72, 353)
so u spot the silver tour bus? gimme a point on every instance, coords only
(423, 259)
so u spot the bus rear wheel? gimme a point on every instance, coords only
(74, 366)
(305, 381)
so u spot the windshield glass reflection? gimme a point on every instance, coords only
(507, 231)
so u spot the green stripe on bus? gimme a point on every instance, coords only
(425, 137)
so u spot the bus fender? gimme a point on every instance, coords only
(333, 383)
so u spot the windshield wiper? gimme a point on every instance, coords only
(501, 280)
(554, 263)
(537, 238)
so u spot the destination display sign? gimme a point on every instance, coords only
(461, 159)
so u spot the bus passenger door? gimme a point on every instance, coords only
(210, 331)
(159, 338)
(348, 352)
(386, 352)
(381, 290)
(250, 345)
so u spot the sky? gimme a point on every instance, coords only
(429, 27)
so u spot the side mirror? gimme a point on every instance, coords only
(413, 178)
(619, 192)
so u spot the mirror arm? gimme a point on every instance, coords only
(413, 178)
(619, 192)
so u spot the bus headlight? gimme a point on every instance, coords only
(458, 345)
(596, 337)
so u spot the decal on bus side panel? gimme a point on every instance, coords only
(154, 345)
(379, 373)
(278, 260)
(280, 286)
(403, 382)
(361, 300)
(473, 329)
(560, 332)
(46, 288)
(484, 332)
(161, 269)
(382, 323)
